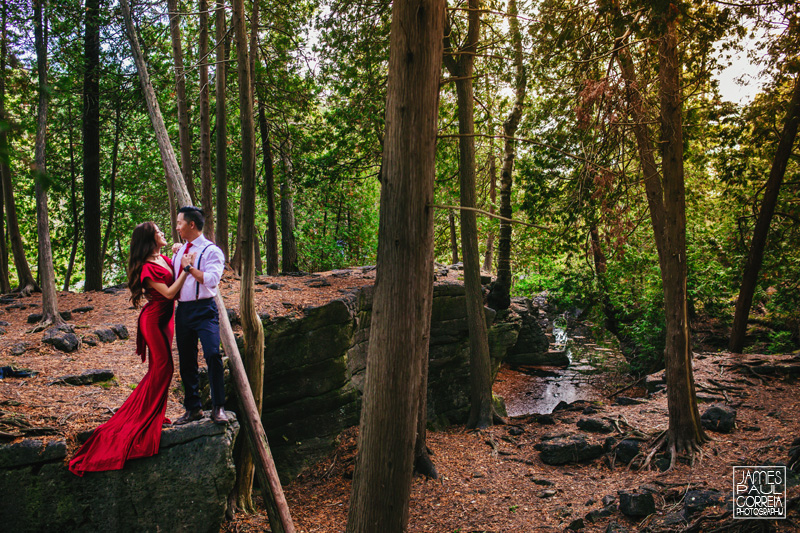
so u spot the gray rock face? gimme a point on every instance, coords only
(636, 503)
(120, 331)
(532, 346)
(315, 369)
(719, 418)
(105, 334)
(562, 450)
(594, 425)
(62, 338)
(183, 488)
(626, 450)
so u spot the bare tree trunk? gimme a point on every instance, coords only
(451, 221)
(480, 414)
(269, 176)
(93, 260)
(114, 166)
(253, 357)
(768, 203)
(404, 287)
(280, 520)
(236, 260)
(27, 283)
(500, 295)
(47, 274)
(222, 134)
(207, 195)
(184, 135)
(76, 226)
(488, 255)
(288, 243)
(685, 432)
(5, 284)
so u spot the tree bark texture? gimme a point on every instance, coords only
(221, 125)
(46, 273)
(73, 201)
(500, 296)
(206, 192)
(462, 68)
(269, 177)
(451, 221)
(184, 134)
(488, 255)
(113, 180)
(5, 284)
(756, 254)
(404, 285)
(251, 421)
(288, 242)
(685, 431)
(92, 225)
(252, 329)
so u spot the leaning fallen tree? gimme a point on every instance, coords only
(277, 508)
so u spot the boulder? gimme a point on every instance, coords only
(183, 488)
(720, 418)
(594, 425)
(120, 331)
(90, 339)
(83, 309)
(595, 515)
(626, 450)
(568, 449)
(20, 348)
(62, 338)
(636, 503)
(86, 378)
(697, 501)
(105, 334)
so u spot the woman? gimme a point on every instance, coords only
(135, 429)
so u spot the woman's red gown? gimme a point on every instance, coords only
(135, 429)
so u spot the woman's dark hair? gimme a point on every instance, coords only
(143, 244)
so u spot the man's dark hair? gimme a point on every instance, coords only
(193, 214)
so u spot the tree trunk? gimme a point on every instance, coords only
(488, 255)
(93, 260)
(685, 432)
(221, 126)
(280, 520)
(27, 283)
(184, 134)
(288, 243)
(46, 273)
(114, 166)
(73, 197)
(480, 414)
(404, 287)
(500, 295)
(451, 221)
(236, 260)
(5, 285)
(269, 177)
(253, 356)
(207, 195)
(759, 242)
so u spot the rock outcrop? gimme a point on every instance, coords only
(183, 488)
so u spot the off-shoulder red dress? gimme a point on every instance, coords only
(135, 429)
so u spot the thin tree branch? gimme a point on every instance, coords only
(490, 215)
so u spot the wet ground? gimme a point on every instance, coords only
(538, 390)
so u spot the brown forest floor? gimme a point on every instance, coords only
(489, 480)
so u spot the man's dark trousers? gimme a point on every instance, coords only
(199, 320)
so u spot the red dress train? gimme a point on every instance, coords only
(135, 429)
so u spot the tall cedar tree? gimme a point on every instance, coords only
(756, 254)
(46, 273)
(206, 192)
(404, 286)
(91, 148)
(220, 126)
(460, 63)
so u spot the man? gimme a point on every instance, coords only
(197, 316)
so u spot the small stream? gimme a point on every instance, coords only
(538, 390)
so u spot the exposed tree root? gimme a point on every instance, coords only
(675, 448)
(424, 465)
(27, 289)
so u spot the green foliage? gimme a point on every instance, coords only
(781, 342)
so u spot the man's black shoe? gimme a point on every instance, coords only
(218, 415)
(189, 416)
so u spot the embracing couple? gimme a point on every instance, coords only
(191, 277)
